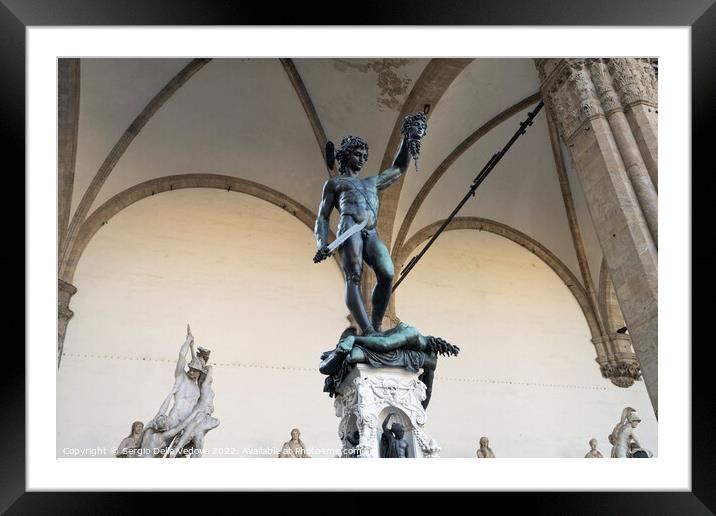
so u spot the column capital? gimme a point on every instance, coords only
(568, 90)
(619, 364)
(65, 291)
(578, 90)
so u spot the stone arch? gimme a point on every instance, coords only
(78, 219)
(175, 182)
(544, 254)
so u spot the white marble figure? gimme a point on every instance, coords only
(195, 427)
(156, 433)
(186, 387)
(622, 438)
(294, 449)
(485, 452)
(593, 453)
(130, 444)
(188, 421)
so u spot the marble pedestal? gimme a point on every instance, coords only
(368, 395)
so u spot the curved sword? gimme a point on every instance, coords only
(322, 254)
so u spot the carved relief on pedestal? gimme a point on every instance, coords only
(366, 394)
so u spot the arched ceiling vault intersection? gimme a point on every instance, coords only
(120, 148)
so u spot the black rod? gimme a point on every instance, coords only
(489, 166)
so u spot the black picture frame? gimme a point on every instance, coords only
(700, 15)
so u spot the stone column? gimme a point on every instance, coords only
(636, 82)
(582, 94)
(64, 314)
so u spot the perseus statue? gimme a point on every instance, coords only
(356, 200)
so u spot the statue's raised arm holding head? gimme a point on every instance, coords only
(414, 128)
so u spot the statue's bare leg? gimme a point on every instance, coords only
(184, 438)
(351, 253)
(198, 448)
(377, 256)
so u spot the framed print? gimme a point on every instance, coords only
(436, 237)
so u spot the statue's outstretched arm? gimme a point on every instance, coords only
(385, 422)
(181, 362)
(400, 166)
(165, 405)
(324, 214)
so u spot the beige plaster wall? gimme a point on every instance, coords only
(240, 271)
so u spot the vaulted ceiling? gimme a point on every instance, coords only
(263, 120)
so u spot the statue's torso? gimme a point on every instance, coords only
(185, 399)
(292, 449)
(622, 440)
(485, 453)
(152, 444)
(357, 198)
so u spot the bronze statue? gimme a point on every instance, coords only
(356, 200)
(353, 439)
(392, 443)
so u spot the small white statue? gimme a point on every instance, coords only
(593, 453)
(623, 441)
(195, 427)
(186, 386)
(294, 449)
(130, 444)
(484, 452)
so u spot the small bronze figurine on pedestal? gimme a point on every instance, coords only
(392, 443)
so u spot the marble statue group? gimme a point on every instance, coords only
(178, 431)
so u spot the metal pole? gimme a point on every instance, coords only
(489, 166)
